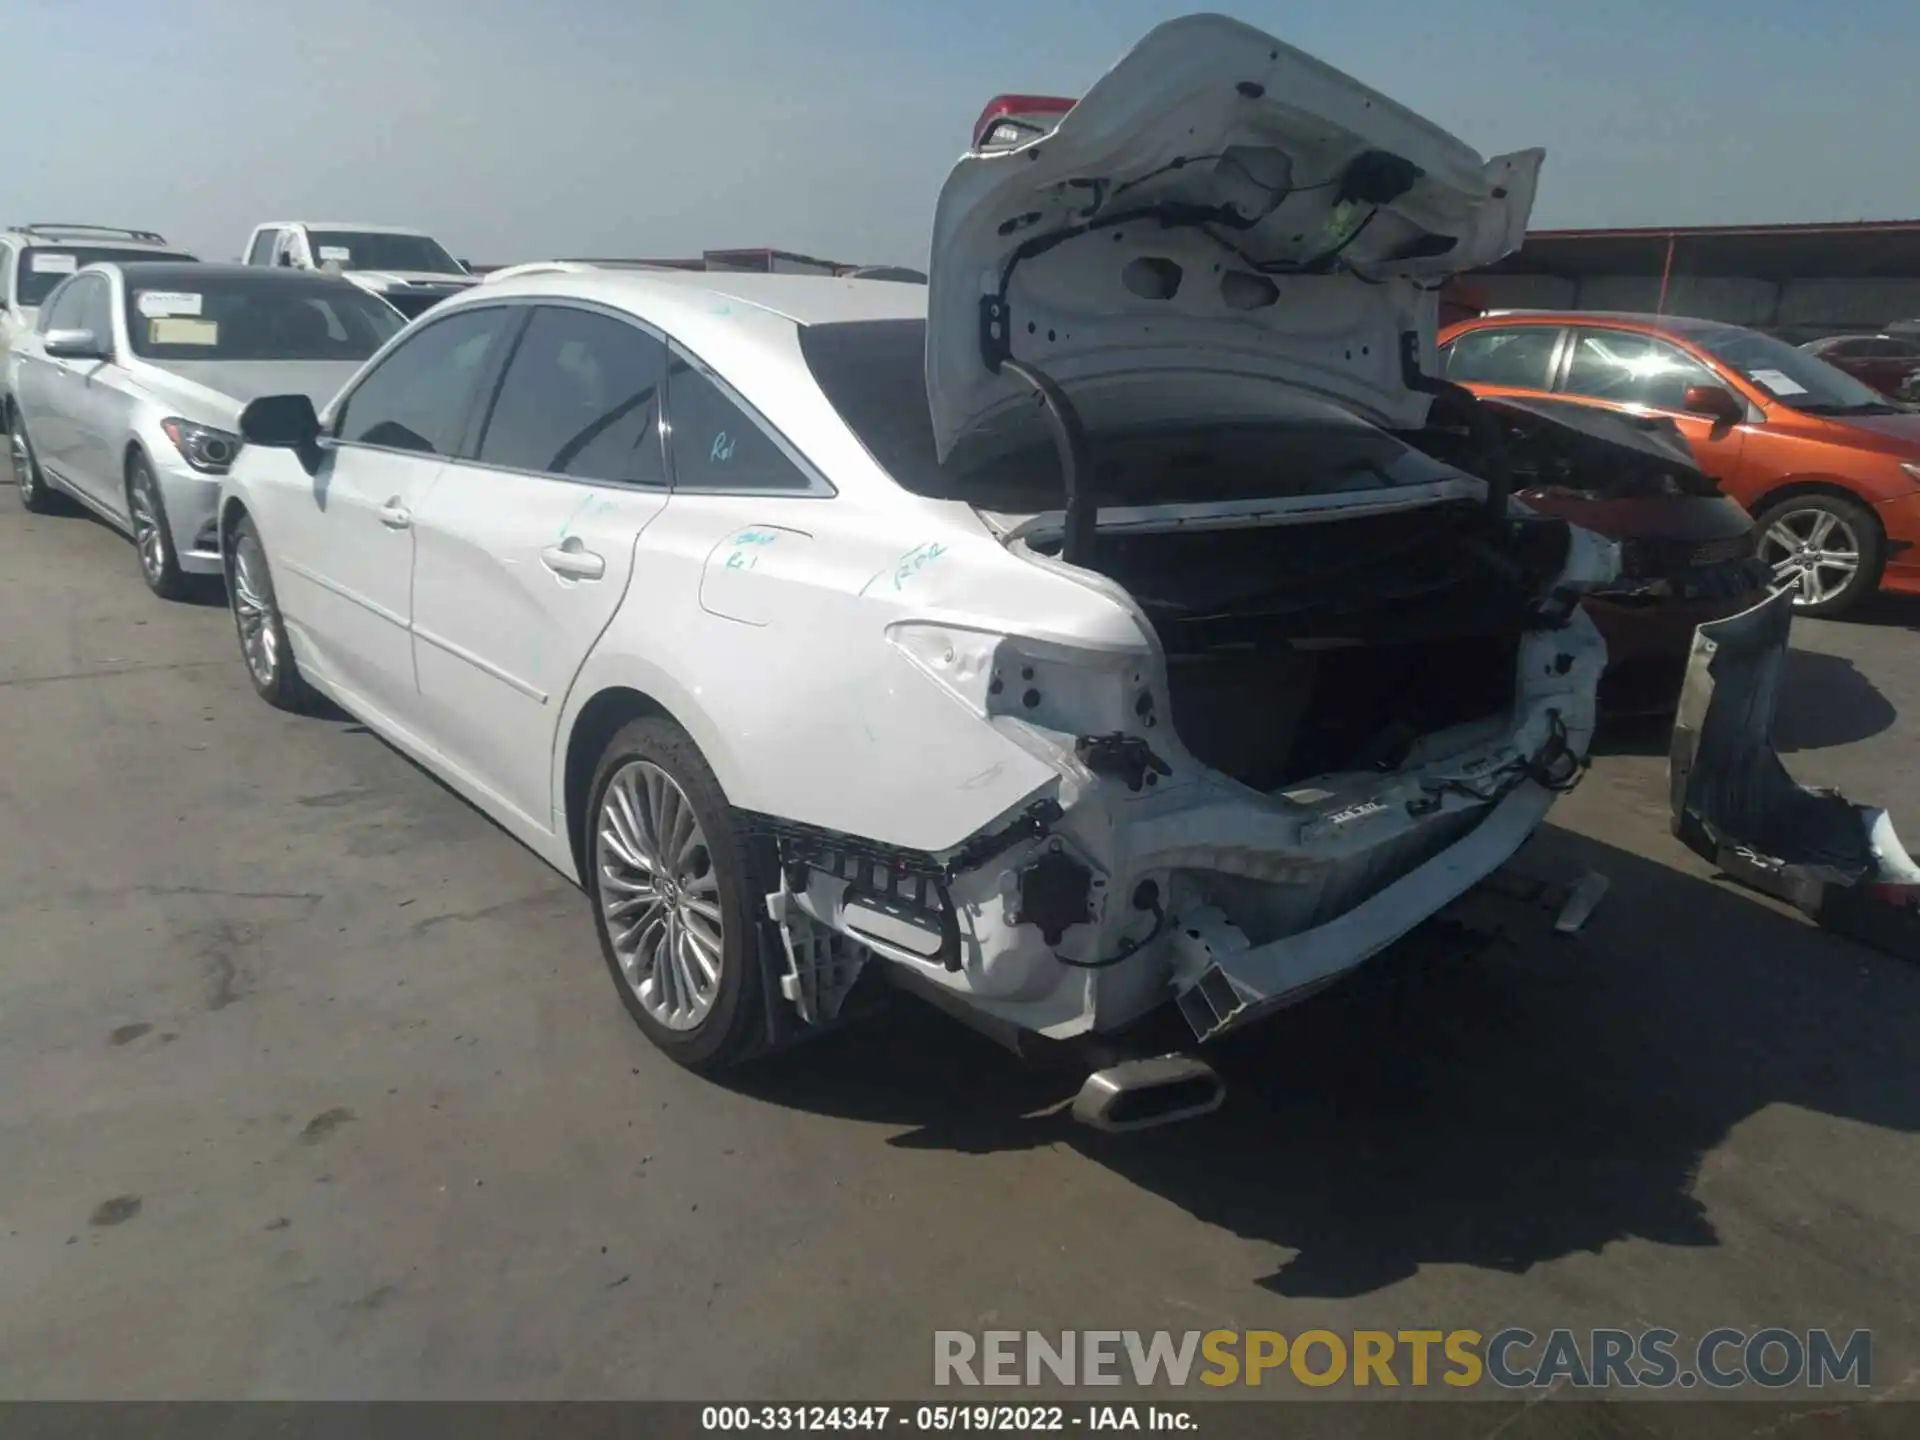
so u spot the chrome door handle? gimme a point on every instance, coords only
(394, 515)
(573, 561)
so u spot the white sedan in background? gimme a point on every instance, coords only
(1083, 634)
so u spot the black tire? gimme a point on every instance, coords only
(35, 496)
(1849, 517)
(273, 670)
(734, 1028)
(159, 564)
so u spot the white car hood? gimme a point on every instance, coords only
(214, 392)
(1141, 321)
(400, 279)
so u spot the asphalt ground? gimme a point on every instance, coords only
(313, 1084)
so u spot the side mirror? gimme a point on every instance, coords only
(280, 422)
(1717, 403)
(75, 345)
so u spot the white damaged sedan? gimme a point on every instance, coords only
(1125, 620)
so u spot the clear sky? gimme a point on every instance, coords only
(515, 129)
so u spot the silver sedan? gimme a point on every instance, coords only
(129, 390)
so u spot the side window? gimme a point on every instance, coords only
(6, 275)
(96, 305)
(420, 397)
(61, 309)
(262, 251)
(716, 445)
(1630, 369)
(581, 397)
(1521, 357)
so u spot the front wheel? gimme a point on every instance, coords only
(1827, 549)
(674, 898)
(152, 538)
(256, 618)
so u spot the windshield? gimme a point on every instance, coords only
(1792, 376)
(874, 374)
(375, 250)
(257, 319)
(42, 267)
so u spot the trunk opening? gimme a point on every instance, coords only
(1301, 649)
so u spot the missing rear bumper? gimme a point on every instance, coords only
(1735, 804)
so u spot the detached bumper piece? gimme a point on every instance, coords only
(1735, 804)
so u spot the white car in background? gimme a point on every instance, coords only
(129, 393)
(409, 269)
(34, 259)
(1083, 634)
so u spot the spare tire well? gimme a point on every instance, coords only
(599, 721)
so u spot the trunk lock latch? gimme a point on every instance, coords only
(1121, 756)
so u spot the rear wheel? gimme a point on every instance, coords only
(32, 485)
(674, 898)
(152, 538)
(256, 618)
(1827, 549)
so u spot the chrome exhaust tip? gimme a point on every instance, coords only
(1139, 1094)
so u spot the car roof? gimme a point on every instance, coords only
(1671, 324)
(698, 298)
(190, 273)
(30, 240)
(362, 226)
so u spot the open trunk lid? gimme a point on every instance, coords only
(1222, 225)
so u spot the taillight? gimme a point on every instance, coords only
(1011, 120)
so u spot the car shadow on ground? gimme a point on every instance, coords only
(209, 591)
(1543, 1096)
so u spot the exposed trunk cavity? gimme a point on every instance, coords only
(1305, 648)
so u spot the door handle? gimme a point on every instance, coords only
(394, 515)
(573, 560)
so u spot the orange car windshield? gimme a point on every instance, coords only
(1792, 376)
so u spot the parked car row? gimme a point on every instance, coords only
(1125, 625)
(1828, 466)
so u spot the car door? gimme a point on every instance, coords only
(46, 398)
(523, 553)
(1630, 370)
(97, 403)
(342, 546)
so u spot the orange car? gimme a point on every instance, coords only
(1828, 467)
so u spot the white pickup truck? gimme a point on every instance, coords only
(408, 268)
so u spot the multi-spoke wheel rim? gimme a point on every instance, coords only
(253, 613)
(1814, 553)
(659, 895)
(147, 532)
(22, 459)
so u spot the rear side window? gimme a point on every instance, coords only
(420, 396)
(1519, 358)
(581, 397)
(716, 445)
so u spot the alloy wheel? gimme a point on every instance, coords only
(1813, 552)
(149, 533)
(253, 612)
(21, 458)
(659, 895)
